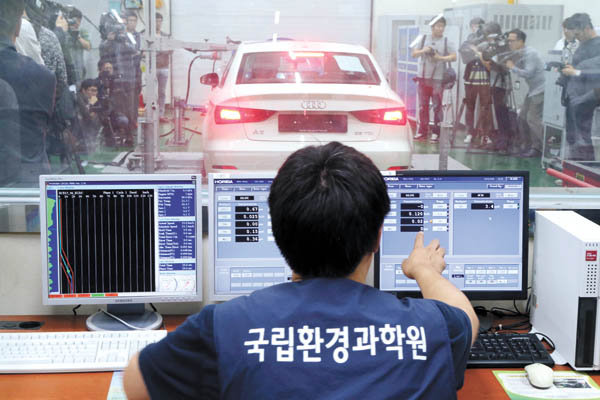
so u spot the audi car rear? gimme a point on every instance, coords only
(277, 97)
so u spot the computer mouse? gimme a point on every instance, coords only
(540, 376)
(29, 324)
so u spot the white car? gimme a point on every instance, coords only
(277, 97)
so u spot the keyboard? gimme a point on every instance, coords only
(42, 352)
(510, 350)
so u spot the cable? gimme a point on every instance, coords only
(189, 77)
(550, 342)
(127, 324)
(168, 133)
(75, 309)
(153, 308)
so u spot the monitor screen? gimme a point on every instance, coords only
(243, 256)
(479, 217)
(112, 239)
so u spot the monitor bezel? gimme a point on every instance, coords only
(170, 298)
(210, 264)
(474, 295)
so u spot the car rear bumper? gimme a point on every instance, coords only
(268, 156)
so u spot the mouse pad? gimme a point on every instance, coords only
(567, 385)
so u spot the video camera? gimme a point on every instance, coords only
(490, 48)
(45, 12)
(111, 22)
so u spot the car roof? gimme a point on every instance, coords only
(300, 45)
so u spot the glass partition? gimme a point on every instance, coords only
(174, 86)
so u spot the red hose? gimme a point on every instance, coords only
(567, 178)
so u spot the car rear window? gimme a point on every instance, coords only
(307, 67)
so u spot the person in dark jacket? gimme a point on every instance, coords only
(581, 78)
(33, 86)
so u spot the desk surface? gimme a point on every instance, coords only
(480, 384)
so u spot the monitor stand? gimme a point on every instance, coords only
(134, 314)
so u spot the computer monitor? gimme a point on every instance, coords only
(121, 240)
(242, 253)
(479, 217)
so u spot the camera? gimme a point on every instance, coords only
(430, 52)
(45, 12)
(490, 48)
(111, 22)
(550, 65)
(558, 66)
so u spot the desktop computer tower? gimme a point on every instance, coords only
(565, 286)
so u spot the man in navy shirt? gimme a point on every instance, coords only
(325, 334)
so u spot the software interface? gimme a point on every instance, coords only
(121, 238)
(245, 255)
(477, 219)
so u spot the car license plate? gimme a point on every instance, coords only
(313, 123)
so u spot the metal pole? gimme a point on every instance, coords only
(148, 161)
(150, 131)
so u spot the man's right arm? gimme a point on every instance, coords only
(425, 264)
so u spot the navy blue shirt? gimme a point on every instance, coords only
(321, 338)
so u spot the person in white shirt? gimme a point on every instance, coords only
(27, 42)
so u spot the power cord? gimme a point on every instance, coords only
(547, 338)
(75, 309)
(127, 324)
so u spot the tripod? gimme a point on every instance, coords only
(478, 121)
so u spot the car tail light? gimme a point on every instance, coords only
(305, 54)
(237, 115)
(389, 116)
(216, 166)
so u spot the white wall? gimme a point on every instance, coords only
(331, 20)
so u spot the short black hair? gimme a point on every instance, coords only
(491, 28)
(87, 83)
(440, 19)
(159, 15)
(477, 21)
(102, 62)
(130, 13)
(520, 34)
(327, 204)
(75, 13)
(11, 12)
(578, 21)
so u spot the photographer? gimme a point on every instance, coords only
(76, 42)
(117, 49)
(528, 65)
(477, 84)
(489, 51)
(568, 44)
(580, 81)
(434, 52)
(89, 123)
(111, 105)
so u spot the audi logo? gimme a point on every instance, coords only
(313, 105)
